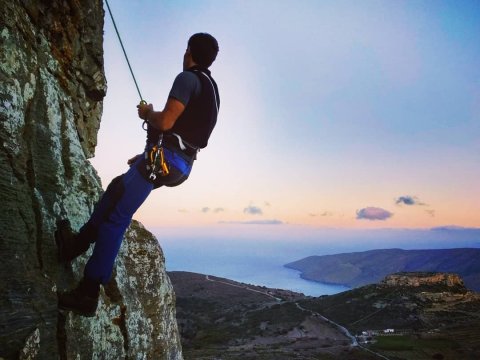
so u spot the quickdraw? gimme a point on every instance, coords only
(156, 163)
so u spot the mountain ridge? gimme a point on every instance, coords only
(368, 267)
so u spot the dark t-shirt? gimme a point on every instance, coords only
(198, 92)
(185, 86)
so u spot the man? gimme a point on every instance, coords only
(174, 136)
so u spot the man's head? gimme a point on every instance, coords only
(203, 49)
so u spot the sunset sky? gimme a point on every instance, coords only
(334, 114)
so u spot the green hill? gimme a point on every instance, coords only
(431, 314)
(223, 319)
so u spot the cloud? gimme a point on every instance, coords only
(408, 200)
(253, 222)
(454, 228)
(207, 209)
(373, 213)
(253, 210)
(325, 213)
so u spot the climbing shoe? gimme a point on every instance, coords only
(83, 300)
(69, 244)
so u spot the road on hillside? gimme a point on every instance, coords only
(207, 277)
(343, 330)
(340, 327)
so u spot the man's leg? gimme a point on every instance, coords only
(71, 245)
(111, 230)
(130, 193)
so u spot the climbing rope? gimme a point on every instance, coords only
(125, 53)
(156, 156)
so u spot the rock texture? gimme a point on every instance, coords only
(417, 279)
(51, 89)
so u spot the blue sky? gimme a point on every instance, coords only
(330, 109)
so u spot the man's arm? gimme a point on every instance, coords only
(162, 120)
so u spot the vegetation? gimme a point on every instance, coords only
(284, 316)
(415, 347)
(223, 317)
(239, 321)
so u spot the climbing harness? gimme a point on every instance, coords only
(155, 158)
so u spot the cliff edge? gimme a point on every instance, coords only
(52, 85)
(417, 279)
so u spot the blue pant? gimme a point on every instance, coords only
(114, 212)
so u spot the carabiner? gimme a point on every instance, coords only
(145, 122)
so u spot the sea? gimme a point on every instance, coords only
(261, 261)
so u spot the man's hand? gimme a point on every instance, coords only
(131, 161)
(161, 120)
(144, 110)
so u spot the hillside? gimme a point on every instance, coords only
(223, 319)
(433, 316)
(430, 314)
(368, 267)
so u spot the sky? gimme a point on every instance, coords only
(350, 115)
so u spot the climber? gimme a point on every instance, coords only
(174, 136)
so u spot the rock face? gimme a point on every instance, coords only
(51, 89)
(417, 279)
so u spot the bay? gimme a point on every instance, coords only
(260, 261)
(259, 264)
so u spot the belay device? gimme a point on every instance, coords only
(154, 158)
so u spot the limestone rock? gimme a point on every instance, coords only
(51, 89)
(32, 345)
(416, 279)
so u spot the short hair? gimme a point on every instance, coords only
(203, 48)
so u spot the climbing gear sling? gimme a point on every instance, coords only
(155, 158)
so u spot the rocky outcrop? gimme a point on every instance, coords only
(51, 89)
(136, 319)
(417, 279)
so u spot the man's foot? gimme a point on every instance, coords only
(69, 244)
(64, 240)
(83, 300)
